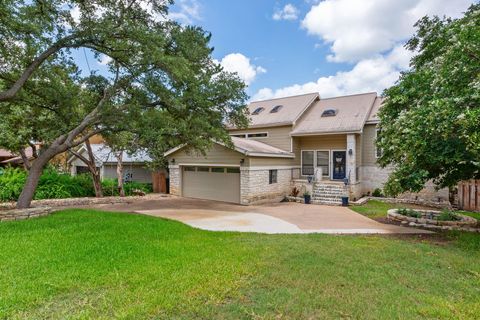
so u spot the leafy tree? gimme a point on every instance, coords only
(158, 69)
(430, 121)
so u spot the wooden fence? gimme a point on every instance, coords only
(159, 181)
(469, 195)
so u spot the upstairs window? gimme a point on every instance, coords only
(258, 135)
(258, 110)
(276, 109)
(329, 113)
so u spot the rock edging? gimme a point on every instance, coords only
(465, 224)
(83, 201)
(22, 214)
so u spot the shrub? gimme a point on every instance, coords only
(409, 213)
(447, 215)
(56, 185)
(377, 193)
(11, 183)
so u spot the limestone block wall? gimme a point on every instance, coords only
(373, 177)
(175, 180)
(255, 187)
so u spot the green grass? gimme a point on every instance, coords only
(475, 215)
(80, 264)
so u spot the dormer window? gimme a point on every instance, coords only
(276, 109)
(258, 110)
(329, 113)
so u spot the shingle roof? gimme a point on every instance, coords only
(292, 109)
(257, 148)
(249, 148)
(352, 112)
(373, 117)
(103, 154)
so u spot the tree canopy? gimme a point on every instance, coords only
(430, 120)
(162, 81)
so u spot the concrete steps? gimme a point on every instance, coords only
(329, 193)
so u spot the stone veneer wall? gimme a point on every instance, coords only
(373, 177)
(255, 189)
(175, 178)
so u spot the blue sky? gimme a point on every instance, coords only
(334, 47)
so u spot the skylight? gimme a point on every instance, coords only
(258, 110)
(276, 109)
(329, 113)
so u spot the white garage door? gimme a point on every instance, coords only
(212, 183)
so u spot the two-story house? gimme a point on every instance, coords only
(291, 142)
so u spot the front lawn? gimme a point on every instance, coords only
(89, 264)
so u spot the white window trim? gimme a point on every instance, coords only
(247, 135)
(301, 160)
(329, 162)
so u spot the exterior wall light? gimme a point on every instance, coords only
(350, 152)
(172, 161)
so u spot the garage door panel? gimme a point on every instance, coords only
(220, 186)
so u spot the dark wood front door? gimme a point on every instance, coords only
(339, 164)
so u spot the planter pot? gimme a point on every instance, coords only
(344, 201)
(307, 199)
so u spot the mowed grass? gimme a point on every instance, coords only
(81, 264)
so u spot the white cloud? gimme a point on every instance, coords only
(188, 12)
(289, 12)
(357, 30)
(237, 62)
(374, 74)
(104, 60)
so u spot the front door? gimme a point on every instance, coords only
(339, 164)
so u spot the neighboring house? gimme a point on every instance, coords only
(134, 166)
(289, 140)
(8, 158)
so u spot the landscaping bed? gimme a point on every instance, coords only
(431, 219)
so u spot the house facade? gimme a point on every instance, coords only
(304, 141)
(134, 166)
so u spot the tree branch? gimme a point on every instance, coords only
(26, 162)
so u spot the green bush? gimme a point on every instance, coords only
(56, 185)
(110, 187)
(447, 215)
(409, 213)
(377, 193)
(11, 183)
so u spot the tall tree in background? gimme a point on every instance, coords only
(158, 68)
(430, 121)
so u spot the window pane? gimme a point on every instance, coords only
(323, 162)
(203, 169)
(257, 135)
(238, 135)
(307, 163)
(272, 176)
(189, 169)
(233, 170)
(220, 170)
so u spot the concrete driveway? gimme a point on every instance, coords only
(273, 218)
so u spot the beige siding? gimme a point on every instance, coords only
(368, 152)
(277, 136)
(137, 173)
(324, 142)
(266, 162)
(216, 155)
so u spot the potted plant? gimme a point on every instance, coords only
(307, 197)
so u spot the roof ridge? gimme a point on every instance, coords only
(350, 95)
(287, 97)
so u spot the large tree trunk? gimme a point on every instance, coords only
(121, 190)
(33, 177)
(97, 183)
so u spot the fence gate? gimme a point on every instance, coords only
(469, 195)
(159, 182)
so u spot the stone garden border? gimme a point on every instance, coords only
(87, 201)
(465, 224)
(421, 202)
(22, 214)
